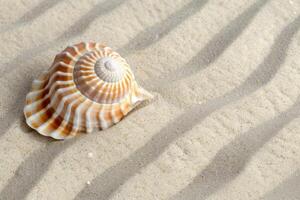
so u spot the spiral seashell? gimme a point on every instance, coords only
(88, 86)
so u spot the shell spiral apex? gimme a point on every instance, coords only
(88, 86)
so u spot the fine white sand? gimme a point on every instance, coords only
(225, 122)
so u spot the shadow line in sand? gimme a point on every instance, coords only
(37, 11)
(32, 14)
(14, 111)
(288, 188)
(85, 21)
(149, 151)
(156, 32)
(32, 169)
(22, 59)
(76, 29)
(38, 162)
(216, 46)
(233, 157)
(104, 185)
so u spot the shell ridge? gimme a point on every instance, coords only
(87, 62)
(51, 93)
(106, 93)
(35, 116)
(67, 115)
(77, 51)
(89, 121)
(99, 95)
(34, 94)
(93, 55)
(80, 114)
(64, 99)
(67, 54)
(103, 122)
(44, 125)
(86, 67)
(90, 58)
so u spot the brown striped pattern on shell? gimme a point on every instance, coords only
(88, 86)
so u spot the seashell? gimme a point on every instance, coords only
(88, 86)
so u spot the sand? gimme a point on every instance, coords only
(225, 121)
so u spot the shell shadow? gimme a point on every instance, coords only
(232, 158)
(155, 33)
(24, 127)
(104, 185)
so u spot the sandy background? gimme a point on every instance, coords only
(225, 123)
